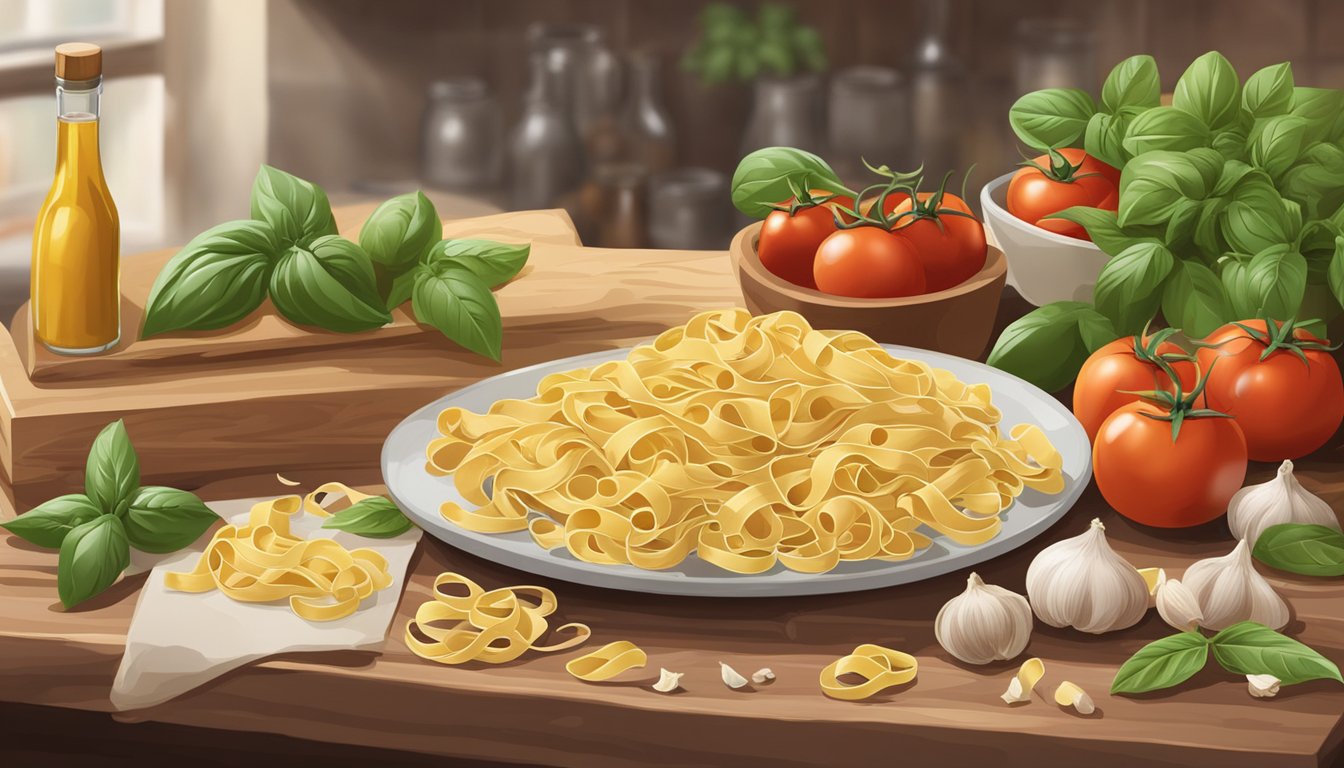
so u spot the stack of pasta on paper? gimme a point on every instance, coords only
(750, 442)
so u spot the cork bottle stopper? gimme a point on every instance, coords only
(79, 61)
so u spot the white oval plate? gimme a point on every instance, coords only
(420, 494)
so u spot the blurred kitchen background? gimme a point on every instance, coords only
(631, 114)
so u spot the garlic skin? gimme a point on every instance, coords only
(983, 624)
(1263, 686)
(1229, 590)
(731, 677)
(1178, 606)
(1082, 583)
(668, 681)
(762, 675)
(1281, 500)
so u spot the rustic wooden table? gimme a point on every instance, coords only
(532, 712)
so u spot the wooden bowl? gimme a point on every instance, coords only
(958, 321)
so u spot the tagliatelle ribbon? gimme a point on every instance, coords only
(263, 561)
(464, 622)
(607, 662)
(880, 667)
(1020, 687)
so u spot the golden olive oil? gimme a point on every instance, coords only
(76, 291)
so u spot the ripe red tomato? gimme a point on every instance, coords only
(868, 262)
(951, 247)
(1154, 480)
(788, 242)
(1115, 369)
(1034, 195)
(1288, 406)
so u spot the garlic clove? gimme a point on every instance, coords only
(763, 675)
(1020, 687)
(1177, 605)
(1281, 500)
(984, 623)
(1229, 589)
(1263, 686)
(668, 681)
(730, 676)
(1070, 695)
(1082, 583)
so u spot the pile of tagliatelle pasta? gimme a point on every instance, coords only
(748, 441)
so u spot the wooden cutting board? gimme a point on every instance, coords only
(266, 396)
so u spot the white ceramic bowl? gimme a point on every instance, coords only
(1042, 266)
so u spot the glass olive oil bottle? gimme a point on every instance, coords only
(76, 288)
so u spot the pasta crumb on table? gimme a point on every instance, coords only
(748, 441)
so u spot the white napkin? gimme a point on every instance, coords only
(180, 640)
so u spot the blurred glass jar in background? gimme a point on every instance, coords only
(869, 119)
(590, 74)
(1053, 52)
(546, 158)
(691, 210)
(939, 92)
(645, 126)
(786, 112)
(461, 138)
(611, 207)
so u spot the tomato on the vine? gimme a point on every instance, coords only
(1059, 179)
(1282, 385)
(790, 237)
(949, 239)
(1111, 375)
(868, 262)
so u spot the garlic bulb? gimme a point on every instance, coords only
(1177, 605)
(983, 624)
(1263, 686)
(1281, 500)
(1082, 583)
(1230, 590)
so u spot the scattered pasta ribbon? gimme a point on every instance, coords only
(263, 562)
(464, 622)
(1020, 687)
(607, 662)
(749, 442)
(880, 667)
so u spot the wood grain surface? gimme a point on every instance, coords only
(271, 396)
(530, 711)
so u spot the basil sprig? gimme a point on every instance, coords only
(1311, 550)
(95, 530)
(290, 252)
(374, 517)
(1231, 204)
(1246, 648)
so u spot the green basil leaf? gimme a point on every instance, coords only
(1208, 236)
(1152, 184)
(1249, 648)
(1269, 91)
(1230, 142)
(1048, 345)
(1276, 143)
(400, 232)
(768, 176)
(1209, 90)
(1315, 180)
(1054, 117)
(374, 517)
(495, 263)
(1230, 178)
(1127, 290)
(1233, 273)
(1256, 218)
(454, 300)
(1165, 128)
(399, 292)
(1277, 278)
(216, 280)
(1311, 550)
(1101, 226)
(1104, 137)
(47, 524)
(92, 556)
(297, 210)
(1133, 82)
(1335, 272)
(1162, 664)
(1193, 299)
(1180, 228)
(330, 285)
(162, 520)
(1320, 107)
(112, 470)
